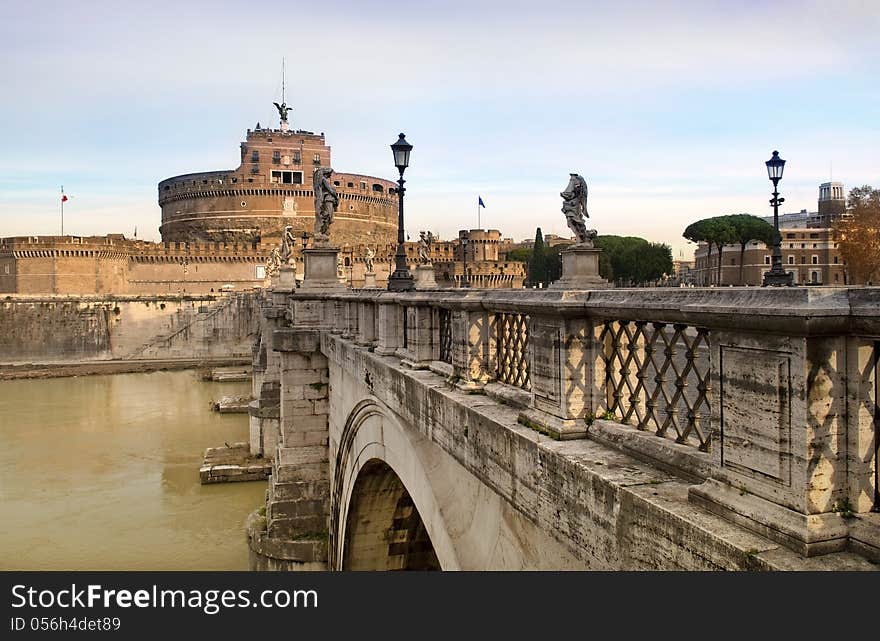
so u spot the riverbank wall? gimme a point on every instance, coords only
(77, 329)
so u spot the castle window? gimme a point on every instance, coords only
(363, 184)
(377, 187)
(286, 177)
(766, 260)
(791, 260)
(815, 260)
(337, 183)
(803, 260)
(835, 260)
(296, 157)
(255, 156)
(317, 159)
(349, 185)
(276, 157)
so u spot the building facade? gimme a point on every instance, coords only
(809, 249)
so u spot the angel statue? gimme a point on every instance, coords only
(287, 244)
(574, 206)
(273, 262)
(282, 110)
(368, 260)
(326, 202)
(425, 240)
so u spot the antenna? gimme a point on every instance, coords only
(282, 81)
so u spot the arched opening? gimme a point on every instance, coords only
(384, 530)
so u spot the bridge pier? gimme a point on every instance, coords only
(294, 533)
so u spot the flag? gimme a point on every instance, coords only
(63, 197)
(481, 203)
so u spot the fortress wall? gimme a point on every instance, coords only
(200, 278)
(84, 328)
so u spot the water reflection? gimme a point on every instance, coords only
(101, 472)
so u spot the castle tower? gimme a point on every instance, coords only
(832, 203)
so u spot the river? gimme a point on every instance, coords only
(102, 473)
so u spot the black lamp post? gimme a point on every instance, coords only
(401, 280)
(777, 276)
(465, 281)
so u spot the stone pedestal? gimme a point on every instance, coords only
(287, 277)
(370, 281)
(580, 269)
(319, 267)
(424, 277)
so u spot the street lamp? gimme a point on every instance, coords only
(465, 282)
(401, 280)
(777, 276)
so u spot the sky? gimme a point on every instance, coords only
(668, 109)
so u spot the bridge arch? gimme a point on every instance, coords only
(384, 514)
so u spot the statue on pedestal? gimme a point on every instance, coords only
(273, 263)
(425, 240)
(287, 243)
(574, 206)
(283, 109)
(368, 260)
(326, 202)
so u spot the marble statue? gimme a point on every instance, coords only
(326, 202)
(574, 206)
(273, 263)
(425, 240)
(368, 260)
(287, 243)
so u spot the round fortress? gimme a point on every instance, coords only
(272, 188)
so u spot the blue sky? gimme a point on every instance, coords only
(668, 109)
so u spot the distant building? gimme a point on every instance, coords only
(809, 249)
(683, 271)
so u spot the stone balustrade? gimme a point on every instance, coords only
(765, 398)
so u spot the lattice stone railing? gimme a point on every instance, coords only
(657, 378)
(445, 320)
(512, 344)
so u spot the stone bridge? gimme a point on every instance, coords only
(534, 429)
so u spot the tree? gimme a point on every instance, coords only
(718, 231)
(538, 265)
(746, 229)
(520, 254)
(630, 260)
(858, 235)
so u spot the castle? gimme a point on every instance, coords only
(218, 228)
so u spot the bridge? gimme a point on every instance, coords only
(728, 428)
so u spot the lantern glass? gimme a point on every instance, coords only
(401, 150)
(775, 167)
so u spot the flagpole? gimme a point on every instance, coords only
(478, 214)
(62, 210)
